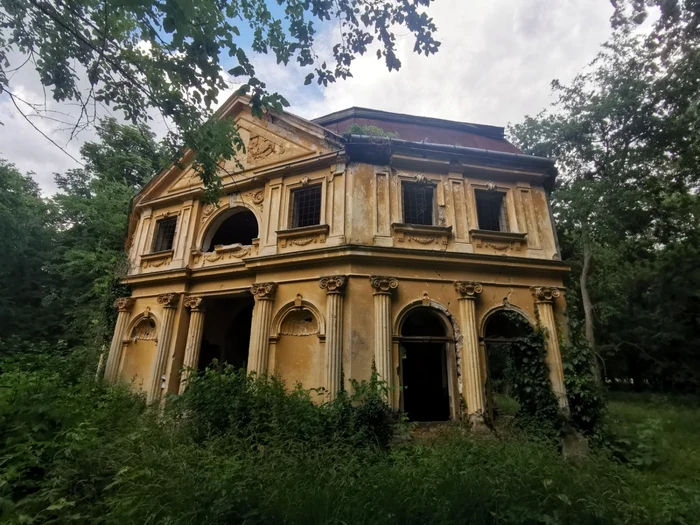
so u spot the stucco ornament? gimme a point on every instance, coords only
(168, 300)
(545, 294)
(124, 304)
(258, 197)
(383, 284)
(260, 148)
(194, 302)
(333, 283)
(468, 289)
(263, 290)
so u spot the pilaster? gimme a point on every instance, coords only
(383, 288)
(169, 302)
(124, 306)
(335, 290)
(544, 300)
(472, 385)
(194, 338)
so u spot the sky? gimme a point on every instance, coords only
(495, 66)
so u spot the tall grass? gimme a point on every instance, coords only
(236, 449)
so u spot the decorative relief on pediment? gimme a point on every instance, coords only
(260, 148)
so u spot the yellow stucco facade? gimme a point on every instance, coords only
(325, 273)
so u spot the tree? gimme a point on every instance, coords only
(143, 55)
(92, 209)
(27, 233)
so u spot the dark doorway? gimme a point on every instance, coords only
(424, 370)
(502, 328)
(226, 337)
(241, 227)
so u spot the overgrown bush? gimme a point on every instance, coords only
(586, 400)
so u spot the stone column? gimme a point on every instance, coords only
(124, 306)
(264, 294)
(169, 302)
(472, 385)
(335, 289)
(194, 338)
(544, 301)
(383, 287)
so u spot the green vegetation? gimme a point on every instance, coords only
(238, 449)
(371, 131)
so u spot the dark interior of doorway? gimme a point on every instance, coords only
(226, 336)
(424, 367)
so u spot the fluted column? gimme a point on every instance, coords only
(124, 306)
(169, 302)
(383, 288)
(544, 300)
(264, 294)
(194, 338)
(335, 289)
(472, 385)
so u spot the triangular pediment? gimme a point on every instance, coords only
(277, 139)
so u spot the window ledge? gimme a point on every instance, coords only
(498, 240)
(156, 259)
(303, 236)
(422, 233)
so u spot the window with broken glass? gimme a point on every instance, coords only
(491, 211)
(417, 203)
(164, 235)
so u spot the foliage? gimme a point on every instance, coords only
(371, 131)
(585, 396)
(77, 450)
(171, 57)
(28, 236)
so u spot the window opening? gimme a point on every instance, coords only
(165, 234)
(491, 211)
(306, 207)
(417, 203)
(241, 228)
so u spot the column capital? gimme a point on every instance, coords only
(263, 290)
(168, 300)
(124, 304)
(333, 283)
(194, 302)
(545, 294)
(383, 284)
(468, 289)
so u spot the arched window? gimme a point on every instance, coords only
(238, 227)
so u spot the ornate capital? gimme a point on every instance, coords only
(545, 294)
(333, 283)
(168, 300)
(468, 289)
(263, 290)
(383, 284)
(193, 302)
(124, 304)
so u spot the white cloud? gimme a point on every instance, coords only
(495, 65)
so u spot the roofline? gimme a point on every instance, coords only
(358, 112)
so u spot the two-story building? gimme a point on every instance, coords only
(333, 254)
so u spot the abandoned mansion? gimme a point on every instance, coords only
(333, 252)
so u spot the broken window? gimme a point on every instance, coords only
(164, 235)
(491, 211)
(306, 206)
(417, 203)
(239, 228)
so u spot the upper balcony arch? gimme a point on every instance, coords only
(239, 224)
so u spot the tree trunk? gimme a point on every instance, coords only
(587, 305)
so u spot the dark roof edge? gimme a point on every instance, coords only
(518, 158)
(356, 112)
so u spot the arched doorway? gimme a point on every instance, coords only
(227, 327)
(501, 329)
(424, 370)
(238, 226)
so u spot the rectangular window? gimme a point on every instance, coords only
(164, 235)
(306, 206)
(417, 203)
(491, 211)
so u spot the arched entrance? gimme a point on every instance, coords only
(237, 226)
(501, 329)
(424, 369)
(226, 336)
